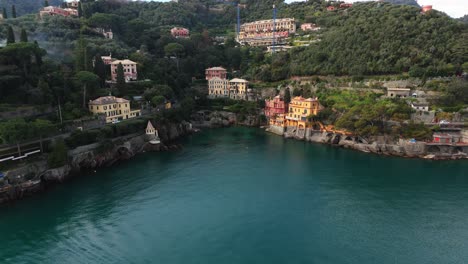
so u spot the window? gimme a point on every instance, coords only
(105, 107)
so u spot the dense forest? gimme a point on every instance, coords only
(26, 6)
(369, 38)
(403, 2)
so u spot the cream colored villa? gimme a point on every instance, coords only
(114, 108)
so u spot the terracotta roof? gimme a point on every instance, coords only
(216, 69)
(123, 62)
(238, 80)
(300, 98)
(149, 126)
(108, 100)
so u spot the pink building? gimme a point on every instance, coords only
(219, 72)
(274, 107)
(309, 27)
(178, 32)
(346, 5)
(129, 67)
(107, 59)
(426, 8)
(57, 11)
(266, 32)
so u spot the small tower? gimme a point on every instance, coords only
(152, 134)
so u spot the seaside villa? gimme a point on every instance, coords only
(300, 112)
(113, 108)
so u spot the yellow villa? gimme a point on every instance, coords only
(300, 111)
(238, 89)
(114, 108)
(278, 120)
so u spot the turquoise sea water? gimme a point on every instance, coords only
(240, 195)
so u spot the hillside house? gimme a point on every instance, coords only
(113, 108)
(213, 72)
(129, 67)
(179, 32)
(57, 11)
(266, 32)
(275, 106)
(309, 27)
(398, 92)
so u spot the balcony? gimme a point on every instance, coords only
(292, 118)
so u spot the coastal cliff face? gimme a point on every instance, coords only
(377, 145)
(28, 179)
(215, 119)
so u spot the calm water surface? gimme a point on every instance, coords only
(242, 196)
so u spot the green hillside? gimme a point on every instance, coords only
(26, 6)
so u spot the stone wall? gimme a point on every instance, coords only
(276, 130)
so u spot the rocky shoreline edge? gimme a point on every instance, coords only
(89, 158)
(26, 180)
(35, 177)
(380, 145)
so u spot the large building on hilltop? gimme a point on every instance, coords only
(129, 67)
(266, 32)
(114, 108)
(57, 11)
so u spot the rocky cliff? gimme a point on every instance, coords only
(377, 145)
(215, 119)
(30, 178)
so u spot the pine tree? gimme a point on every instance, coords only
(46, 3)
(5, 15)
(10, 36)
(81, 55)
(23, 36)
(121, 86)
(13, 11)
(80, 9)
(37, 55)
(287, 96)
(100, 68)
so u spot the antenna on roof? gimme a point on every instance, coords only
(274, 27)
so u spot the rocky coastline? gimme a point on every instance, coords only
(380, 145)
(37, 176)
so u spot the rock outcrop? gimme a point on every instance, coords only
(30, 178)
(377, 145)
(216, 119)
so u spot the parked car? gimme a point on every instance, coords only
(444, 122)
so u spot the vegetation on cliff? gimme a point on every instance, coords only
(56, 65)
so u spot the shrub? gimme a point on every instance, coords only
(59, 155)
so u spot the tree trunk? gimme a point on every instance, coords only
(84, 96)
(40, 142)
(19, 149)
